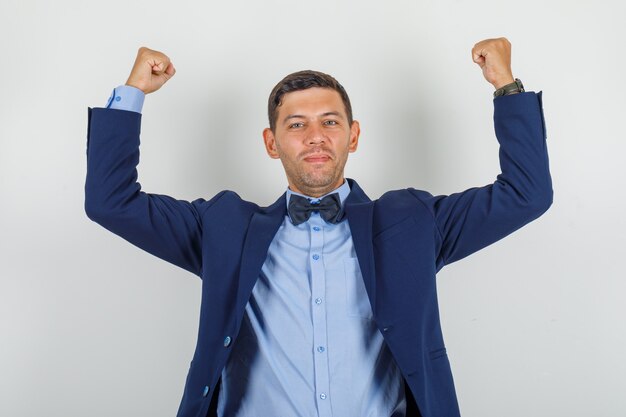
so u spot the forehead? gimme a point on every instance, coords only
(311, 102)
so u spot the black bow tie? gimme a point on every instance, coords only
(329, 207)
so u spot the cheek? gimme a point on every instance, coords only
(287, 152)
(289, 146)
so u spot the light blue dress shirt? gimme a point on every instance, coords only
(308, 345)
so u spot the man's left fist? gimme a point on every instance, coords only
(494, 58)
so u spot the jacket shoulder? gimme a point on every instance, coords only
(398, 205)
(225, 201)
(405, 199)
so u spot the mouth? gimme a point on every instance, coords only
(317, 158)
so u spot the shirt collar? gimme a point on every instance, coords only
(343, 192)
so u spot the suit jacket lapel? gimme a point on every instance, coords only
(263, 227)
(359, 212)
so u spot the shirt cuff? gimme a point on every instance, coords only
(127, 98)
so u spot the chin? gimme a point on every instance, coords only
(315, 181)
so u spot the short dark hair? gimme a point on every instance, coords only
(303, 80)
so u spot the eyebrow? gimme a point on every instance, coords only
(299, 116)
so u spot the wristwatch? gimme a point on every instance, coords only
(515, 87)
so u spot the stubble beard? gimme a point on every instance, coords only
(316, 182)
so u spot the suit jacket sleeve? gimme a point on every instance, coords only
(168, 228)
(475, 218)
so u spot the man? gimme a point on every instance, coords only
(324, 303)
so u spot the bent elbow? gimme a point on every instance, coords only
(541, 202)
(94, 211)
(530, 200)
(97, 211)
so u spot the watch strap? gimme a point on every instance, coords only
(512, 88)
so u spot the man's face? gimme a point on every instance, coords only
(312, 139)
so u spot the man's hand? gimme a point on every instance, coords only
(494, 58)
(152, 69)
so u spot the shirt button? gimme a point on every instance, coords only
(318, 301)
(118, 98)
(227, 341)
(323, 396)
(316, 228)
(316, 257)
(320, 349)
(205, 391)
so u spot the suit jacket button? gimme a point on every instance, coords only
(205, 391)
(227, 341)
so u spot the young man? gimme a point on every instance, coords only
(324, 303)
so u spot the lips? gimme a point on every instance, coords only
(317, 158)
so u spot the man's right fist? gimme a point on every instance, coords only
(152, 69)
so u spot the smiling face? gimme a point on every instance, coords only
(312, 138)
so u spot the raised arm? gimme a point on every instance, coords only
(475, 218)
(168, 228)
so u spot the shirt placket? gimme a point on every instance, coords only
(318, 306)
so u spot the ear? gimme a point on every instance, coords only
(355, 131)
(270, 143)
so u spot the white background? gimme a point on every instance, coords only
(91, 326)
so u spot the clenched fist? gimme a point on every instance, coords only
(152, 69)
(494, 58)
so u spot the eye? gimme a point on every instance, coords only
(330, 122)
(296, 125)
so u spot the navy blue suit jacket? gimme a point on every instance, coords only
(401, 239)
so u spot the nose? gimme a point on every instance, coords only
(315, 135)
